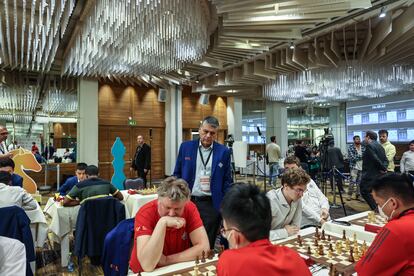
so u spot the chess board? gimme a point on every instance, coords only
(340, 261)
(379, 221)
(204, 269)
(148, 191)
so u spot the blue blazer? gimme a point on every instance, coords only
(68, 185)
(16, 180)
(221, 178)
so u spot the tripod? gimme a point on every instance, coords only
(233, 166)
(335, 171)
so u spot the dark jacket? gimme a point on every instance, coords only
(15, 224)
(96, 218)
(142, 158)
(374, 161)
(68, 185)
(117, 248)
(16, 180)
(335, 158)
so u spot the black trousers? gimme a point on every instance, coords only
(365, 188)
(211, 217)
(143, 175)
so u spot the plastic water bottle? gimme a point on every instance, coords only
(70, 263)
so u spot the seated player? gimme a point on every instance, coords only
(168, 230)
(92, 187)
(392, 251)
(72, 181)
(14, 195)
(12, 257)
(7, 165)
(246, 220)
(315, 205)
(286, 204)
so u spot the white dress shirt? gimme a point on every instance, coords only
(12, 257)
(313, 201)
(14, 195)
(200, 167)
(283, 214)
(407, 162)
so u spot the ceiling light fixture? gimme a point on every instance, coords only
(291, 46)
(217, 74)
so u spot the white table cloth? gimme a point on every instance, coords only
(350, 230)
(134, 202)
(38, 226)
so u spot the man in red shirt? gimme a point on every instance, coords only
(168, 230)
(392, 252)
(246, 220)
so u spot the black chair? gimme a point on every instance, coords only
(136, 183)
(96, 218)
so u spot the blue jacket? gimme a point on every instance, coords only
(117, 248)
(16, 180)
(68, 185)
(221, 178)
(15, 224)
(96, 218)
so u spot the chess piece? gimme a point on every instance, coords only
(210, 254)
(197, 261)
(355, 236)
(329, 237)
(323, 235)
(321, 250)
(343, 235)
(317, 233)
(315, 242)
(347, 244)
(330, 247)
(221, 249)
(330, 253)
(309, 251)
(203, 256)
(196, 271)
(332, 270)
(351, 256)
(299, 240)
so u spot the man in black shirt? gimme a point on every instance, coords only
(142, 159)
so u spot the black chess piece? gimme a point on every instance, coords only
(203, 256)
(323, 235)
(309, 251)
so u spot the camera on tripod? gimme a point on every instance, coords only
(229, 141)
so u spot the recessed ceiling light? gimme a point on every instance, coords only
(382, 13)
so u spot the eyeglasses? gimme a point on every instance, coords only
(205, 131)
(223, 230)
(298, 190)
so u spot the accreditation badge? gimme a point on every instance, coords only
(205, 182)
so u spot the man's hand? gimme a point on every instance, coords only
(145, 170)
(322, 221)
(174, 222)
(324, 214)
(291, 229)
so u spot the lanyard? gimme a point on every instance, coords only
(2, 149)
(202, 158)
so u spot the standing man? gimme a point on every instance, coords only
(142, 159)
(302, 154)
(389, 149)
(407, 160)
(355, 152)
(205, 165)
(273, 155)
(4, 153)
(336, 159)
(374, 164)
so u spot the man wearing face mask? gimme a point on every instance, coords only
(168, 230)
(392, 252)
(246, 220)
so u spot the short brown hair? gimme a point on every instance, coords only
(292, 160)
(293, 177)
(174, 188)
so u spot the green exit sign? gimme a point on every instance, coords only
(132, 122)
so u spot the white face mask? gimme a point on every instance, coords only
(381, 212)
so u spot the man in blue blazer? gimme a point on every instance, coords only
(205, 165)
(7, 165)
(72, 181)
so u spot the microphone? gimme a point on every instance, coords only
(150, 132)
(258, 131)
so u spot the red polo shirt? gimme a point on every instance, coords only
(392, 252)
(261, 258)
(176, 240)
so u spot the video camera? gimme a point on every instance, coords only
(229, 141)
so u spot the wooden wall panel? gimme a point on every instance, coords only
(116, 104)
